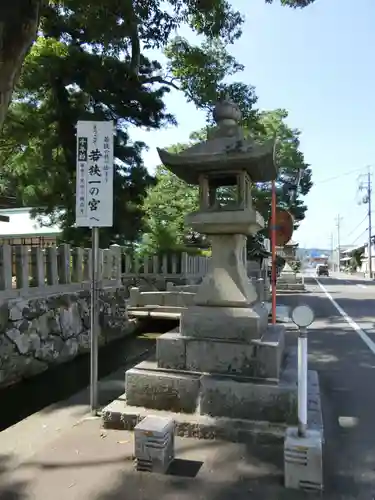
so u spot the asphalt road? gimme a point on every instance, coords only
(342, 349)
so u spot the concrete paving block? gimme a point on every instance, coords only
(171, 351)
(303, 460)
(154, 444)
(162, 390)
(236, 398)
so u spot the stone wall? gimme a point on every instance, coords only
(37, 333)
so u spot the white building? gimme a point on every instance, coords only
(23, 230)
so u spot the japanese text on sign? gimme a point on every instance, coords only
(94, 206)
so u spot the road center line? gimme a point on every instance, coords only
(366, 339)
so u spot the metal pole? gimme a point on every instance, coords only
(338, 242)
(302, 382)
(94, 321)
(369, 192)
(273, 250)
(332, 253)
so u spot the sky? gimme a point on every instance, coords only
(319, 64)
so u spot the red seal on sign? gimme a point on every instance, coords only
(283, 225)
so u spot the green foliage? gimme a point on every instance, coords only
(171, 199)
(166, 206)
(356, 259)
(296, 266)
(290, 160)
(202, 70)
(295, 4)
(91, 62)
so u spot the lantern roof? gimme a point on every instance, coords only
(226, 149)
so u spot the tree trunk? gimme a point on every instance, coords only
(18, 27)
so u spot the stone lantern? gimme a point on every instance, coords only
(224, 168)
(225, 360)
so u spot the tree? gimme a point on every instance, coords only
(90, 62)
(294, 3)
(134, 25)
(356, 258)
(171, 199)
(166, 206)
(19, 21)
(290, 160)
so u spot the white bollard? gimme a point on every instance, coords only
(303, 450)
(302, 382)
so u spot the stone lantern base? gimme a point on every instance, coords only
(201, 371)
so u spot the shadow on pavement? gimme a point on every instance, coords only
(257, 474)
(53, 388)
(10, 490)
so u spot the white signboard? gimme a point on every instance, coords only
(94, 195)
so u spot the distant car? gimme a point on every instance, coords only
(322, 270)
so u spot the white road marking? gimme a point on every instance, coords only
(366, 339)
(361, 286)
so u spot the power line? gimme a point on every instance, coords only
(363, 233)
(357, 226)
(329, 179)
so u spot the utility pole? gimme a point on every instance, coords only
(332, 253)
(338, 225)
(366, 186)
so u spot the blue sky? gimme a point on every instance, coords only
(319, 64)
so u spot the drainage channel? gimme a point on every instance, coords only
(62, 381)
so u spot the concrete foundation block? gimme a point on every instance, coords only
(134, 297)
(171, 351)
(261, 358)
(268, 352)
(236, 398)
(186, 299)
(233, 323)
(303, 460)
(151, 299)
(162, 390)
(120, 416)
(210, 356)
(170, 298)
(259, 286)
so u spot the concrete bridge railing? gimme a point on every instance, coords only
(36, 272)
(45, 302)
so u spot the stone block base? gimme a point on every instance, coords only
(121, 415)
(214, 395)
(261, 358)
(231, 323)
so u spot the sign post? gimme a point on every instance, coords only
(94, 209)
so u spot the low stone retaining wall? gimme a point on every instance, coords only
(38, 333)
